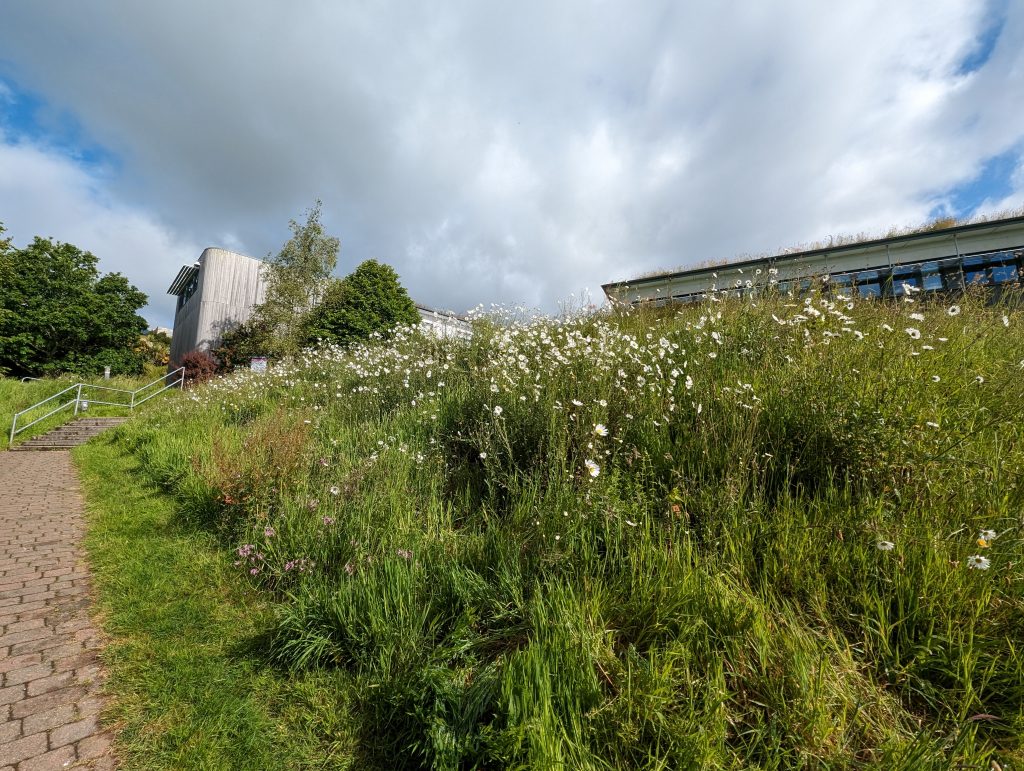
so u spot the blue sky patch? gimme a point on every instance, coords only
(986, 42)
(993, 182)
(28, 117)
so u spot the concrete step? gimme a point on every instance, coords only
(69, 435)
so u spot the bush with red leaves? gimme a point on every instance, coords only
(199, 366)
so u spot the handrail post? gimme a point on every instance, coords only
(78, 398)
(14, 423)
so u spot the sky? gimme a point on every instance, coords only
(502, 153)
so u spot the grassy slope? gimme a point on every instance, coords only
(716, 595)
(190, 685)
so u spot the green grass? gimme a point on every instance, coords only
(191, 687)
(734, 535)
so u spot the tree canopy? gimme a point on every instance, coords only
(296, 280)
(369, 300)
(59, 314)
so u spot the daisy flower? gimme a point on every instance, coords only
(977, 562)
(592, 468)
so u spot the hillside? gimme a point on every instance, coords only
(738, 535)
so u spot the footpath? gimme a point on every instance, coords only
(50, 677)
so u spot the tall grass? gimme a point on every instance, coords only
(745, 534)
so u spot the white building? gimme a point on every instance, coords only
(215, 294)
(220, 290)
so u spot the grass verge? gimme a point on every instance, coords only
(189, 687)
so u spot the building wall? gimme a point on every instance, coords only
(950, 251)
(229, 286)
(444, 324)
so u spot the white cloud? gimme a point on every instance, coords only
(521, 151)
(43, 193)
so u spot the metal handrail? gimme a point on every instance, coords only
(78, 400)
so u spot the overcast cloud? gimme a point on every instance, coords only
(511, 152)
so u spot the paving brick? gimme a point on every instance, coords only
(27, 636)
(47, 701)
(34, 672)
(12, 694)
(55, 760)
(72, 732)
(9, 731)
(26, 747)
(52, 718)
(50, 683)
(94, 746)
(18, 662)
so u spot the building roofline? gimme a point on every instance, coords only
(817, 252)
(436, 312)
(186, 274)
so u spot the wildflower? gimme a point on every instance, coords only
(335, 489)
(917, 316)
(483, 456)
(328, 520)
(931, 423)
(977, 562)
(497, 411)
(1006, 321)
(630, 523)
(269, 532)
(577, 403)
(558, 538)
(954, 310)
(985, 538)
(935, 378)
(600, 429)
(350, 568)
(979, 379)
(885, 545)
(592, 468)
(689, 382)
(915, 334)
(405, 554)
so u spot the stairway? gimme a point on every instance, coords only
(69, 435)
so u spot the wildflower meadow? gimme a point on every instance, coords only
(773, 533)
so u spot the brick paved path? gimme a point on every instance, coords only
(49, 674)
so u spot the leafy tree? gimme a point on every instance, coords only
(155, 348)
(58, 314)
(369, 300)
(296, 279)
(241, 343)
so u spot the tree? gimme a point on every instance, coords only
(58, 314)
(296, 279)
(241, 343)
(369, 300)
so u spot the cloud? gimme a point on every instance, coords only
(519, 152)
(47, 194)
